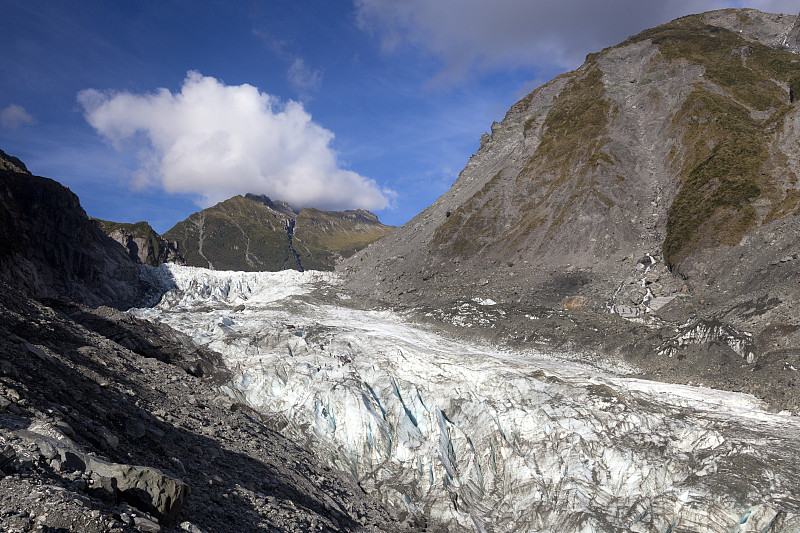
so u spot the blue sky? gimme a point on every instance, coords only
(151, 110)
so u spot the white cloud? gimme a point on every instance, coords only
(302, 77)
(218, 141)
(480, 36)
(14, 116)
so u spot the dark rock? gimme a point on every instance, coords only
(145, 488)
(7, 454)
(135, 429)
(49, 247)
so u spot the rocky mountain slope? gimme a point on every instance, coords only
(50, 248)
(323, 238)
(253, 233)
(142, 242)
(658, 183)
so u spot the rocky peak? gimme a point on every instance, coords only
(362, 215)
(770, 29)
(12, 164)
(141, 241)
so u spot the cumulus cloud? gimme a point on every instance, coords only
(14, 117)
(217, 141)
(480, 36)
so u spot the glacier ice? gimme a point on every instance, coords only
(473, 438)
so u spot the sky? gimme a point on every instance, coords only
(154, 109)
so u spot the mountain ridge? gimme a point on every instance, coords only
(142, 242)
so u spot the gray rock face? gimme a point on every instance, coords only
(143, 244)
(792, 41)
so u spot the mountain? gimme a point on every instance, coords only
(49, 248)
(254, 233)
(658, 182)
(144, 245)
(630, 222)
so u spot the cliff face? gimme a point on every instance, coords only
(254, 233)
(659, 179)
(141, 241)
(49, 248)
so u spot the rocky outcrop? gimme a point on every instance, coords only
(147, 489)
(255, 233)
(144, 245)
(323, 238)
(50, 248)
(12, 164)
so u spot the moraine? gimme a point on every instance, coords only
(472, 438)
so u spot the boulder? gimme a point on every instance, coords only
(146, 488)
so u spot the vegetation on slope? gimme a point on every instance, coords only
(253, 233)
(237, 234)
(574, 129)
(723, 160)
(569, 152)
(470, 222)
(322, 238)
(726, 127)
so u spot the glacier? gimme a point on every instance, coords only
(469, 437)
